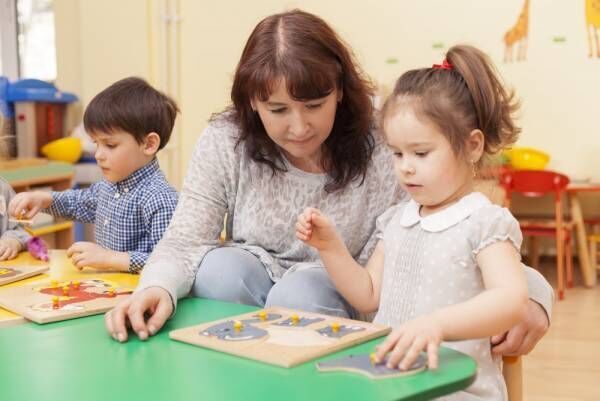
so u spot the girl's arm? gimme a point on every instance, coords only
(358, 285)
(498, 308)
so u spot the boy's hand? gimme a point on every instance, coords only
(9, 248)
(316, 230)
(407, 341)
(25, 205)
(88, 254)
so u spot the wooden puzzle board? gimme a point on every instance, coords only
(89, 296)
(10, 273)
(276, 339)
(8, 319)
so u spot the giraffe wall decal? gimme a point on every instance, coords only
(592, 26)
(517, 36)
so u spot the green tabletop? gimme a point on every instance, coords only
(77, 360)
(48, 170)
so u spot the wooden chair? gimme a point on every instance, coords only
(594, 240)
(537, 184)
(512, 370)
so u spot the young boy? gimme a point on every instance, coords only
(131, 207)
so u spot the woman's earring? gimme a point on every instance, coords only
(474, 169)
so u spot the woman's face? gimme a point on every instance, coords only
(299, 128)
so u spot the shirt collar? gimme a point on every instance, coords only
(445, 218)
(139, 175)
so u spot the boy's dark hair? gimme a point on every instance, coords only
(306, 52)
(134, 106)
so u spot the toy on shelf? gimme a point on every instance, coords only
(527, 158)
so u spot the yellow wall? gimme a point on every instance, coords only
(559, 84)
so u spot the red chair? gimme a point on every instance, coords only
(537, 184)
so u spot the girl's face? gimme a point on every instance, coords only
(425, 162)
(299, 128)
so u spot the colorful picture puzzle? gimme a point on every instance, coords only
(51, 301)
(12, 272)
(280, 336)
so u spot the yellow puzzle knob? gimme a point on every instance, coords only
(262, 315)
(237, 325)
(295, 319)
(335, 327)
(55, 302)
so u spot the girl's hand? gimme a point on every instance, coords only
(25, 205)
(407, 341)
(316, 230)
(9, 248)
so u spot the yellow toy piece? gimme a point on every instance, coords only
(527, 158)
(237, 325)
(64, 149)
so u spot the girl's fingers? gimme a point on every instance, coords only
(386, 346)
(2, 253)
(399, 351)
(413, 353)
(432, 355)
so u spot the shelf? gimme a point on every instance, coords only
(50, 228)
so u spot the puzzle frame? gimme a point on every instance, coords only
(20, 272)
(286, 343)
(56, 300)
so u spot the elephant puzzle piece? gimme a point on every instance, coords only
(280, 336)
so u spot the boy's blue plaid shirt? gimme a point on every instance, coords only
(130, 216)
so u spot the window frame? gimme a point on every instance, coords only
(9, 45)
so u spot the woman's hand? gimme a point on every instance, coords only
(153, 303)
(405, 343)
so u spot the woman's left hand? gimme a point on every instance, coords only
(405, 343)
(522, 338)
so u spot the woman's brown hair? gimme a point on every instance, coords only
(464, 95)
(302, 49)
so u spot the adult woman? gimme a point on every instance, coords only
(299, 133)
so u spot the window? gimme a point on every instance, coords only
(27, 44)
(9, 60)
(37, 52)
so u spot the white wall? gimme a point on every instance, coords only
(559, 84)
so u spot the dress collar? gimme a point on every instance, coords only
(445, 218)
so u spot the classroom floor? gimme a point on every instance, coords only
(565, 365)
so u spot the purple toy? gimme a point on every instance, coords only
(37, 248)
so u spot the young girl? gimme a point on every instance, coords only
(13, 238)
(447, 266)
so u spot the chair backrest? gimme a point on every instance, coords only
(533, 183)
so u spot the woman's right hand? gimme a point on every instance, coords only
(153, 303)
(317, 230)
(25, 205)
